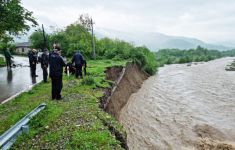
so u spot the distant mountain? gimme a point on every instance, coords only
(156, 41)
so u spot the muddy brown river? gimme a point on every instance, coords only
(183, 108)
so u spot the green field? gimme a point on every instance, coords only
(76, 122)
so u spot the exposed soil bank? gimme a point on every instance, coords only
(126, 82)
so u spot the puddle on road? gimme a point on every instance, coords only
(18, 78)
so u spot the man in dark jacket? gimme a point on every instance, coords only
(8, 57)
(56, 72)
(79, 61)
(33, 60)
(44, 64)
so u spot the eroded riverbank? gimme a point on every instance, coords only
(183, 108)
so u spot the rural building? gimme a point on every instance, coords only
(22, 48)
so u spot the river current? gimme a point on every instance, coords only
(183, 107)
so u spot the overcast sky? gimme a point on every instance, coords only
(208, 20)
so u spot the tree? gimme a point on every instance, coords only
(37, 40)
(78, 38)
(14, 19)
(60, 38)
(86, 21)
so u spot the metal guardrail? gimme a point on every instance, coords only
(8, 138)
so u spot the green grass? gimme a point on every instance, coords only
(76, 122)
(2, 62)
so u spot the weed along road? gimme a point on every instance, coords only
(183, 107)
(18, 78)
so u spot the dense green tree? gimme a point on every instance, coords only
(37, 40)
(79, 39)
(14, 20)
(60, 37)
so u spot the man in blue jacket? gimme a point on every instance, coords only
(56, 72)
(79, 61)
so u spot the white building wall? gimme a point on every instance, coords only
(22, 50)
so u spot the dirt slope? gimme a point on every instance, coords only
(128, 81)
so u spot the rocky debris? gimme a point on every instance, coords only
(211, 138)
(207, 131)
(230, 67)
(189, 64)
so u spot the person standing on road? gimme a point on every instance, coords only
(33, 60)
(79, 61)
(56, 63)
(44, 64)
(8, 58)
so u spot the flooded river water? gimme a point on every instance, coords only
(183, 108)
(18, 78)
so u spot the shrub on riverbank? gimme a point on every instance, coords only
(146, 59)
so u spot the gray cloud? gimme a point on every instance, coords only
(209, 20)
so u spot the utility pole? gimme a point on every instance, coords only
(93, 39)
(44, 37)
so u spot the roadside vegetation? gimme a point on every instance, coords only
(2, 62)
(77, 36)
(76, 122)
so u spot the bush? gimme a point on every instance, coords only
(117, 58)
(146, 59)
(138, 57)
(88, 80)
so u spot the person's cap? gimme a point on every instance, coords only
(34, 50)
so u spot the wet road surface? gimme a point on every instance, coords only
(17, 79)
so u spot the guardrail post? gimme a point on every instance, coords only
(25, 129)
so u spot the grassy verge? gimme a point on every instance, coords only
(2, 62)
(76, 122)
